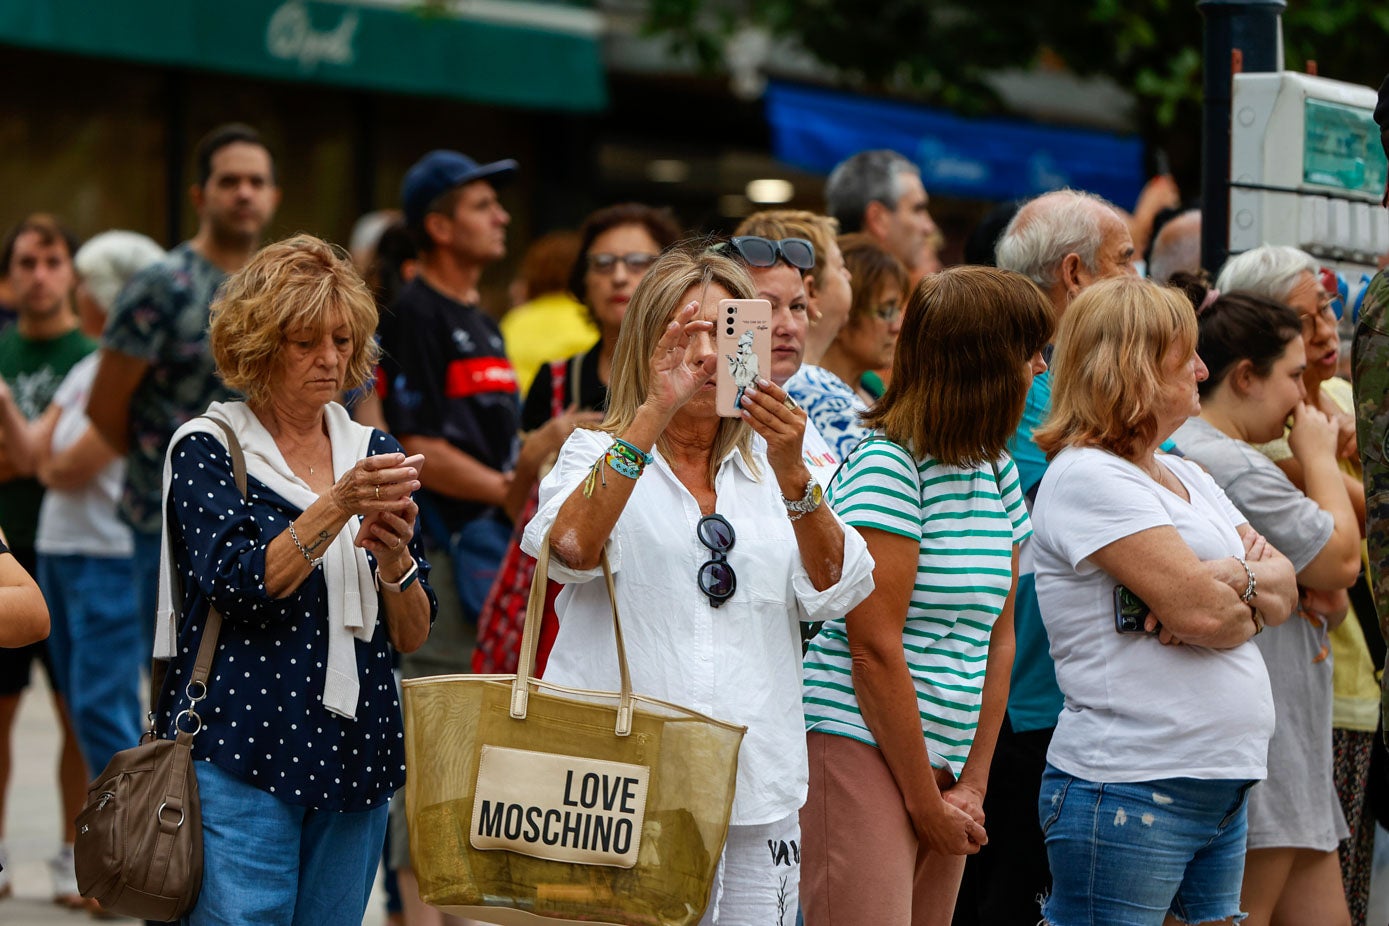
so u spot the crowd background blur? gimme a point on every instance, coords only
(501, 304)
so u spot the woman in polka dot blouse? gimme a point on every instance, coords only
(318, 575)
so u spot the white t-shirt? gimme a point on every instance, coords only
(1137, 710)
(740, 662)
(82, 521)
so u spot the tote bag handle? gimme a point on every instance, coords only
(530, 638)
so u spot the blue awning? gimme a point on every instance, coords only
(991, 159)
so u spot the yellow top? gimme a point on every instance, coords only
(553, 326)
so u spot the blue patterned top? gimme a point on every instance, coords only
(831, 404)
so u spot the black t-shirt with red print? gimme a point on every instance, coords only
(444, 373)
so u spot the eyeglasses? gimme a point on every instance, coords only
(635, 262)
(1328, 311)
(756, 251)
(716, 579)
(887, 312)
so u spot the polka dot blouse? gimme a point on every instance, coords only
(263, 719)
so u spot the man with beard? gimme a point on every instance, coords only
(35, 354)
(156, 371)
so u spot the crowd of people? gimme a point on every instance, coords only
(1034, 580)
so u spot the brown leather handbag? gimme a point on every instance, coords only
(139, 846)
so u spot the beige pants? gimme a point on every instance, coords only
(860, 863)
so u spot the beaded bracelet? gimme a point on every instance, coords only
(302, 549)
(623, 458)
(622, 466)
(631, 453)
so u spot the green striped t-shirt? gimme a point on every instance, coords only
(967, 520)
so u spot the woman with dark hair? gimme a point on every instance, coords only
(1254, 349)
(1143, 800)
(617, 245)
(903, 697)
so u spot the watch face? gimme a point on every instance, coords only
(817, 494)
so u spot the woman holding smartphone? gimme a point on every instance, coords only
(318, 576)
(718, 550)
(1143, 801)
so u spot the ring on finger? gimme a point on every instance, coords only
(790, 403)
(378, 493)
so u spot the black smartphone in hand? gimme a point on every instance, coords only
(1130, 612)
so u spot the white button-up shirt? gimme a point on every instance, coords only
(740, 662)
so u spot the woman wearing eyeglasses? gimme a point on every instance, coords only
(831, 393)
(617, 244)
(718, 551)
(904, 696)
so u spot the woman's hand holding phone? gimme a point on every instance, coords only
(385, 530)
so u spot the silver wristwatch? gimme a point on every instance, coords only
(814, 497)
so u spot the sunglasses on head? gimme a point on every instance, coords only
(756, 251)
(716, 579)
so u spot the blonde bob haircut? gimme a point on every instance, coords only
(961, 375)
(1108, 372)
(299, 283)
(654, 303)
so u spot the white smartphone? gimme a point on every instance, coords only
(743, 342)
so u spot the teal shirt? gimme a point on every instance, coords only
(1034, 700)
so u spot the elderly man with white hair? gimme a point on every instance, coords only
(1064, 241)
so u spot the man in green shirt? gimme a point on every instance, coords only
(35, 354)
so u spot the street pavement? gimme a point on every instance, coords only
(31, 825)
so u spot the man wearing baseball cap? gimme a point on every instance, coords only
(448, 390)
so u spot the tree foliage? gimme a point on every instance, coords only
(941, 50)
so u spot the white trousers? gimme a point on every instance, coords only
(759, 877)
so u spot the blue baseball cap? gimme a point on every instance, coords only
(440, 171)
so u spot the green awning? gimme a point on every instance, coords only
(524, 53)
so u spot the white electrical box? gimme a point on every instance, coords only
(1307, 169)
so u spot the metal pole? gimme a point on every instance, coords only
(1254, 27)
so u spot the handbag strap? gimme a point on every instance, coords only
(212, 627)
(202, 666)
(530, 638)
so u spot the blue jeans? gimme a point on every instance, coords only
(265, 861)
(1127, 854)
(95, 644)
(477, 549)
(146, 588)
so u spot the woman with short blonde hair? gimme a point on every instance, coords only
(317, 575)
(1143, 801)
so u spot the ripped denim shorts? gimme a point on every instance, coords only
(1129, 853)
